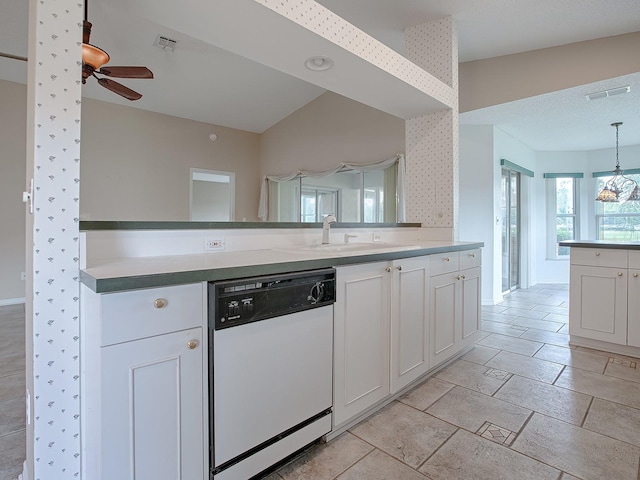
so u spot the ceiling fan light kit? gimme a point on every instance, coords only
(94, 59)
(616, 186)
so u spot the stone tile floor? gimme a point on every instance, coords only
(12, 391)
(521, 405)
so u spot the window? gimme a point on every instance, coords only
(562, 201)
(617, 222)
(317, 203)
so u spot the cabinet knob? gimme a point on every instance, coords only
(597, 254)
(463, 277)
(619, 274)
(399, 267)
(635, 275)
(473, 255)
(388, 269)
(191, 344)
(458, 277)
(446, 259)
(159, 303)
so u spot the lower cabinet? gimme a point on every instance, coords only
(598, 303)
(454, 303)
(152, 407)
(633, 303)
(409, 321)
(361, 339)
(144, 384)
(394, 321)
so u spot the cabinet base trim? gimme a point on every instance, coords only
(627, 350)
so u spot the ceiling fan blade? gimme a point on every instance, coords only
(126, 72)
(120, 89)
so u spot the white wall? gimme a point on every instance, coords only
(477, 201)
(481, 149)
(509, 148)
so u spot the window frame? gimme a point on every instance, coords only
(601, 216)
(553, 249)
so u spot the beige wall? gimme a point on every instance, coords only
(135, 164)
(13, 124)
(328, 131)
(512, 77)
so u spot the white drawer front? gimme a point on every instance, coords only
(599, 257)
(154, 311)
(634, 259)
(470, 258)
(444, 263)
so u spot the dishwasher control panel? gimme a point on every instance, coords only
(243, 301)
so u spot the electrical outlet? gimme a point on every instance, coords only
(214, 244)
(377, 237)
(23, 276)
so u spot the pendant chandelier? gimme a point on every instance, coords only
(619, 185)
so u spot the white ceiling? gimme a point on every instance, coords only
(206, 83)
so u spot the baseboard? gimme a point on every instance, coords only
(12, 301)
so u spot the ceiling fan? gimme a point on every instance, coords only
(94, 59)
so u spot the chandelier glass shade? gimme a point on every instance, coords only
(619, 186)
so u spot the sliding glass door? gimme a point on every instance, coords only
(510, 230)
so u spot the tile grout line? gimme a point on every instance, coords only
(586, 412)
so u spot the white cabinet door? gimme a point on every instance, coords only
(445, 316)
(409, 321)
(471, 312)
(598, 303)
(361, 339)
(633, 306)
(152, 408)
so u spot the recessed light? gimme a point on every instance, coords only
(318, 64)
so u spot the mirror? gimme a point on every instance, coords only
(352, 196)
(137, 158)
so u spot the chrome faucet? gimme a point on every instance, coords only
(326, 225)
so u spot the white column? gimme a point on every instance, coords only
(52, 306)
(432, 141)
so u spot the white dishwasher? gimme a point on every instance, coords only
(270, 356)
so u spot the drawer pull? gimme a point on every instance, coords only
(619, 274)
(446, 259)
(159, 303)
(597, 254)
(635, 275)
(399, 267)
(192, 344)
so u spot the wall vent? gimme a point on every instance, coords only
(165, 43)
(608, 93)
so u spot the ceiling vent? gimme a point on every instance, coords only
(608, 93)
(165, 43)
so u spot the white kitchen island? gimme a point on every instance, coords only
(604, 296)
